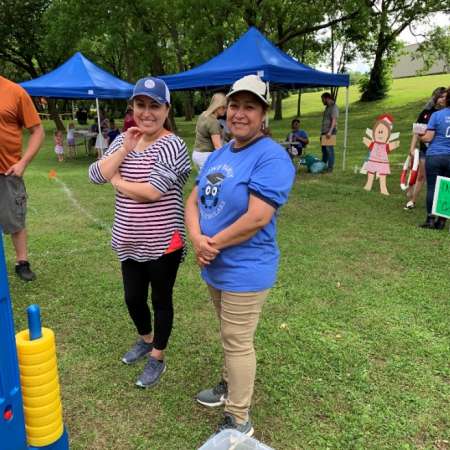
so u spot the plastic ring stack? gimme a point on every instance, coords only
(40, 387)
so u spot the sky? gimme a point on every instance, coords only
(439, 19)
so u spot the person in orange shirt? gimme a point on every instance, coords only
(17, 112)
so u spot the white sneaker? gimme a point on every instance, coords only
(409, 205)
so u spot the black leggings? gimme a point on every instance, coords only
(160, 274)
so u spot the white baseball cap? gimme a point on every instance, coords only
(253, 84)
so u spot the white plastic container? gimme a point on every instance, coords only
(233, 440)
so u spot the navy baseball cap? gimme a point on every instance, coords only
(154, 88)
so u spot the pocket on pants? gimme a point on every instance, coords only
(21, 206)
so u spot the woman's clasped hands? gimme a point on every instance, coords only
(204, 249)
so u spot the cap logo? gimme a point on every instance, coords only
(149, 84)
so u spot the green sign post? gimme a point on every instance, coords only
(441, 200)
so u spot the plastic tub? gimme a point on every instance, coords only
(233, 440)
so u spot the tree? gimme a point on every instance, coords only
(435, 47)
(386, 19)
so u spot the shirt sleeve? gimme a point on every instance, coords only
(272, 180)
(95, 174)
(28, 114)
(335, 112)
(172, 163)
(432, 123)
(213, 126)
(303, 134)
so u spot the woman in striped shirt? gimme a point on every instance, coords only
(148, 166)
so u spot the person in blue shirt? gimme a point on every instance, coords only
(113, 131)
(437, 160)
(231, 221)
(298, 137)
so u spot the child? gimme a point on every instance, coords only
(59, 145)
(113, 132)
(298, 137)
(71, 140)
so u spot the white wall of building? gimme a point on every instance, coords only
(407, 66)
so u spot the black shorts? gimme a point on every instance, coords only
(13, 204)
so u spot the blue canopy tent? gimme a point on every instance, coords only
(252, 53)
(81, 79)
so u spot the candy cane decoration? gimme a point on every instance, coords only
(407, 180)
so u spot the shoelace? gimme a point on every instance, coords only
(221, 388)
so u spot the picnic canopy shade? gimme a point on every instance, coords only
(252, 53)
(78, 78)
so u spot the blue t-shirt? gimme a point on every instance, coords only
(440, 123)
(299, 133)
(225, 183)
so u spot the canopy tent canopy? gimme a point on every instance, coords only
(78, 78)
(252, 53)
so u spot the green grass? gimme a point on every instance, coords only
(353, 346)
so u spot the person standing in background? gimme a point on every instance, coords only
(17, 111)
(329, 129)
(208, 133)
(128, 120)
(436, 102)
(437, 161)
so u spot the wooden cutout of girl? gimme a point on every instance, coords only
(379, 146)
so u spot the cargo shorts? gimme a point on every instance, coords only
(13, 203)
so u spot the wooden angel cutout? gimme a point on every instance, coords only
(380, 141)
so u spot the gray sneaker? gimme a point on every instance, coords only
(229, 422)
(137, 352)
(152, 373)
(215, 396)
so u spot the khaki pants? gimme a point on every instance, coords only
(238, 314)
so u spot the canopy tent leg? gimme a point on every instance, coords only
(100, 135)
(73, 111)
(268, 109)
(345, 128)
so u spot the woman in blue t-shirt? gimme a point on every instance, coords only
(438, 157)
(230, 216)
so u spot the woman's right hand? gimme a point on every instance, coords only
(131, 138)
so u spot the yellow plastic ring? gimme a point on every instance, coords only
(27, 347)
(42, 432)
(50, 439)
(45, 420)
(37, 369)
(43, 411)
(39, 391)
(39, 380)
(37, 402)
(37, 358)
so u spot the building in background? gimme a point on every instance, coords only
(410, 63)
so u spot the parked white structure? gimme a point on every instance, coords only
(407, 66)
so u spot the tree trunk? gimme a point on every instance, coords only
(376, 87)
(188, 106)
(278, 106)
(53, 111)
(172, 120)
(299, 103)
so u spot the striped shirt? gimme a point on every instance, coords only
(144, 231)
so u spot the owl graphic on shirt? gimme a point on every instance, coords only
(210, 192)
